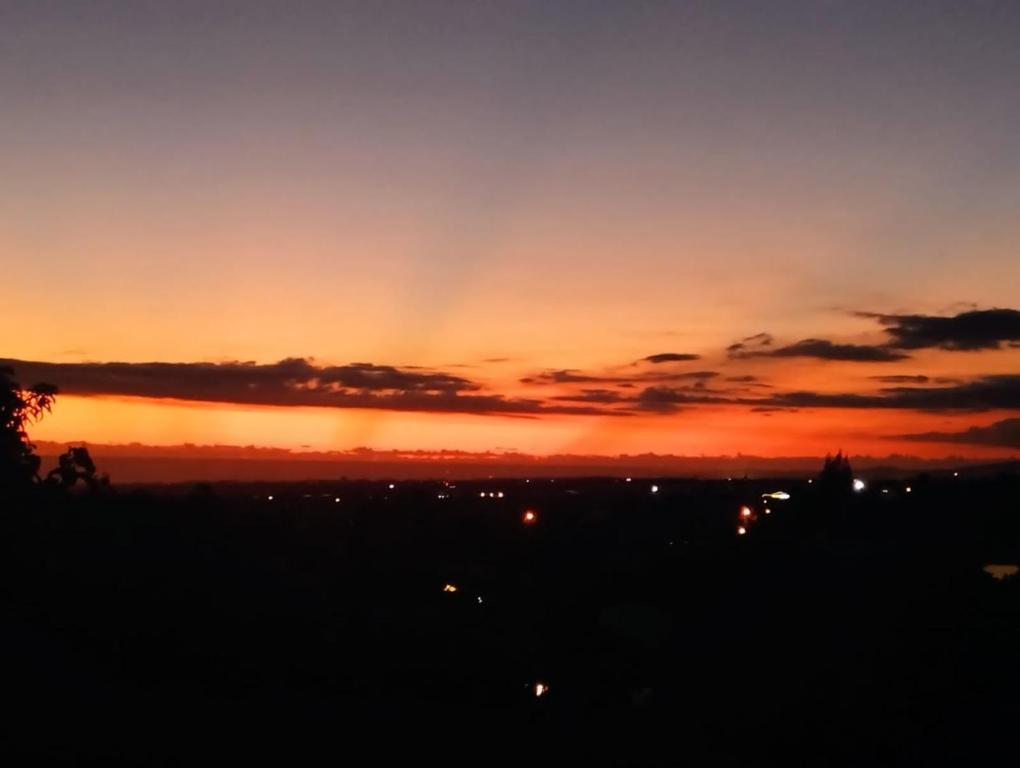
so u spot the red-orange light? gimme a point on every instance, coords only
(529, 517)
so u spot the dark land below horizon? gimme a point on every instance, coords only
(588, 620)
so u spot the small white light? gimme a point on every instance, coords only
(956, 474)
(628, 479)
(336, 500)
(909, 489)
(500, 494)
(858, 485)
(810, 481)
(269, 498)
(392, 486)
(482, 494)
(479, 599)
(768, 511)
(741, 531)
(655, 489)
(541, 689)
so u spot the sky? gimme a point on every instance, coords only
(775, 228)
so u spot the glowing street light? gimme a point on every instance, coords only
(541, 689)
(745, 511)
(741, 531)
(655, 489)
(269, 498)
(529, 517)
(859, 485)
(392, 486)
(449, 588)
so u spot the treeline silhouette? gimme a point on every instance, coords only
(841, 628)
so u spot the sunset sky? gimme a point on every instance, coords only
(777, 228)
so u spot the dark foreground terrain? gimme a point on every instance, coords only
(355, 621)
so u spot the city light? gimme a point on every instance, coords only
(449, 588)
(859, 485)
(781, 495)
(392, 486)
(336, 500)
(1001, 572)
(269, 498)
(741, 531)
(541, 689)
(745, 511)
(529, 517)
(655, 489)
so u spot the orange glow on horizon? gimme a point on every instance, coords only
(700, 431)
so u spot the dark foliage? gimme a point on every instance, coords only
(19, 466)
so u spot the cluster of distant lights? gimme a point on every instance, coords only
(858, 485)
(529, 517)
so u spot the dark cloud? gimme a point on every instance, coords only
(968, 331)
(573, 376)
(1002, 433)
(670, 357)
(823, 349)
(661, 400)
(985, 393)
(901, 379)
(669, 399)
(563, 376)
(290, 382)
(602, 396)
